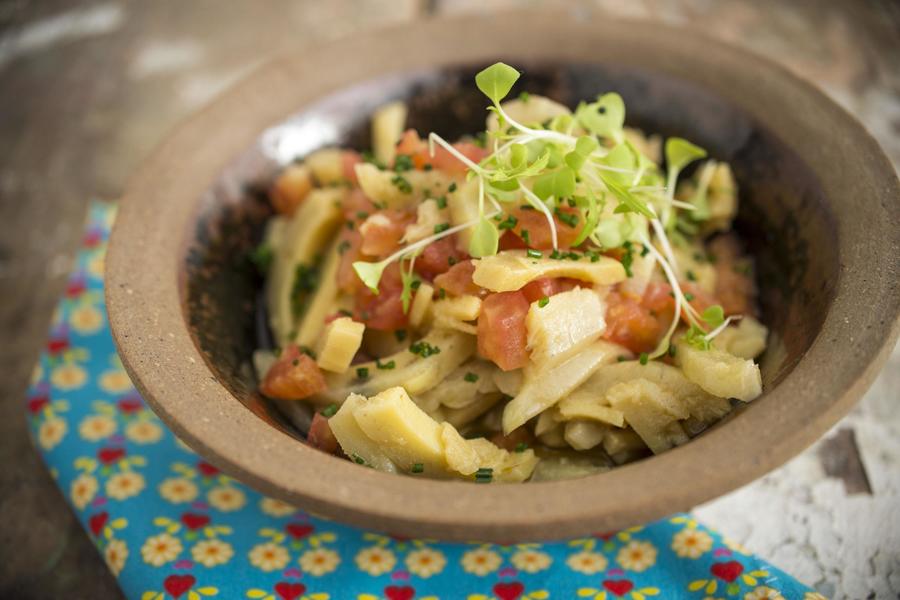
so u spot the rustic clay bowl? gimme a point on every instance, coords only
(820, 210)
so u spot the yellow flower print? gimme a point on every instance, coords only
(51, 433)
(763, 593)
(269, 557)
(319, 562)
(276, 508)
(637, 556)
(814, 596)
(37, 373)
(226, 498)
(375, 560)
(68, 377)
(425, 562)
(124, 485)
(481, 561)
(588, 563)
(86, 319)
(531, 561)
(178, 490)
(96, 265)
(691, 543)
(116, 554)
(115, 382)
(143, 432)
(96, 427)
(83, 489)
(161, 549)
(210, 553)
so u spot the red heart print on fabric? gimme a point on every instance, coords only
(509, 591)
(57, 345)
(176, 585)
(206, 469)
(96, 522)
(194, 521)
(298, 530)
(289, 591)
(109, 456)
(618, 587)
(37, 404)
(130, 405)
(728, 571)
(398, 592)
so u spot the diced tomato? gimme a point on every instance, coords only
(384, 310)
(658, 299)
(510, 241)
(735, 287)
(356, 204)
(294, 376)
(413, 146)
(458, 280)
(630, 324)
(349, 160)
(382, 231)
(501, 329)
(347, 279)
(515, 437)
(320, 435)
(539, 236)
(290, 189)
(416, 148)
(438, 257)
(547, 286)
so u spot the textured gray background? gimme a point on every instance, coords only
(87, 88)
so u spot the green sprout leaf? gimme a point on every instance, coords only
(369, 273)
(559, 183)
(629, 202)
(485, 239)
(496, 81)
(605, 117)
(620, 157)
(714, 316)
(409, 283)
(586, 144)
(680, 153)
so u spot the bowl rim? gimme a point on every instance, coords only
(146, 313)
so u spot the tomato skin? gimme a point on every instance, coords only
(501, 329)
(539, 236)
(630, 324)
(416, 148)
(658, 299)
(347, 279)
(349, 160)
(382, 231)
(548, 286)
(437, 257)
(294, 376)
(457, 280)
(510, 241)
(355, 204)
(384, 310)
(320, 435)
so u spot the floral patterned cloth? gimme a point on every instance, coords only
(170, 525)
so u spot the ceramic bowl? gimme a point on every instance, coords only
(820, 209)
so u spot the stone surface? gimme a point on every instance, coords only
(88, 88)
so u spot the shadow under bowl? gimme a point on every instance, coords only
(819, 212)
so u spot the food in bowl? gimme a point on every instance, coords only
(541, 301)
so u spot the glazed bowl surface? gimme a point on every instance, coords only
(820, 210)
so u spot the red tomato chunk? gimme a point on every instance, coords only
(501, 329)
(293, 376)
(320, 435)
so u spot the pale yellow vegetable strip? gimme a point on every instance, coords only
(652, 411)
(565, 325)
(544, 389)
(460, 417)
(510, 270)
(581, 407)
(388, 123)
(584, 435)
(720, 373)
(339, 344)
(353, 440)
(323, 301)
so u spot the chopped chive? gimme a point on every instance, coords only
(427, 167)
(442, 293)
(471, 377)
(644, 250)
(295, 362)
(543, 302)
(441, 227)
(424, 349)
(362, 215)
(400, 335)
(362, 373)
(524, 96)
(688, 296)
(556, 255)
(521, 447)
(452, 260)
(452, 187)
(402, 184)
(644, 358)
(508, 223)
(385, 366)
(308, 351)
(672, 350)
(329, 410)
(568, 218)
(261, 257)
(484, 475)
(526, 207)
(343, 246)
(358, 459)
(349, 225)
(525, 236)
(621, 358)
(533, 253)
(417, 468)
(345, 312)
(691, 276)
(442, 202)
(415, 284)
(403, 162)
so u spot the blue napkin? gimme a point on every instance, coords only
(170, 525)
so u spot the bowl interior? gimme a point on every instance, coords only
(796, 265)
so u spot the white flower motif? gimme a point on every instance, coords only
(116, 554)
(226, 498)
(269, 556)
(531, 561)
(51, 432)
(68, 377)
(276, 508)
(425, 562)
(691, 543)
(319, 562)
(83, 489)
(375, 560)
(115, 382)
(480, 561)
(178, 490)
(763, 593)
(96, 427)
(210, 553)
(124, 485)
(589, 563)
(143, 432)
(86, 319)
(637, 556)
(97, 265)
(160, 549)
